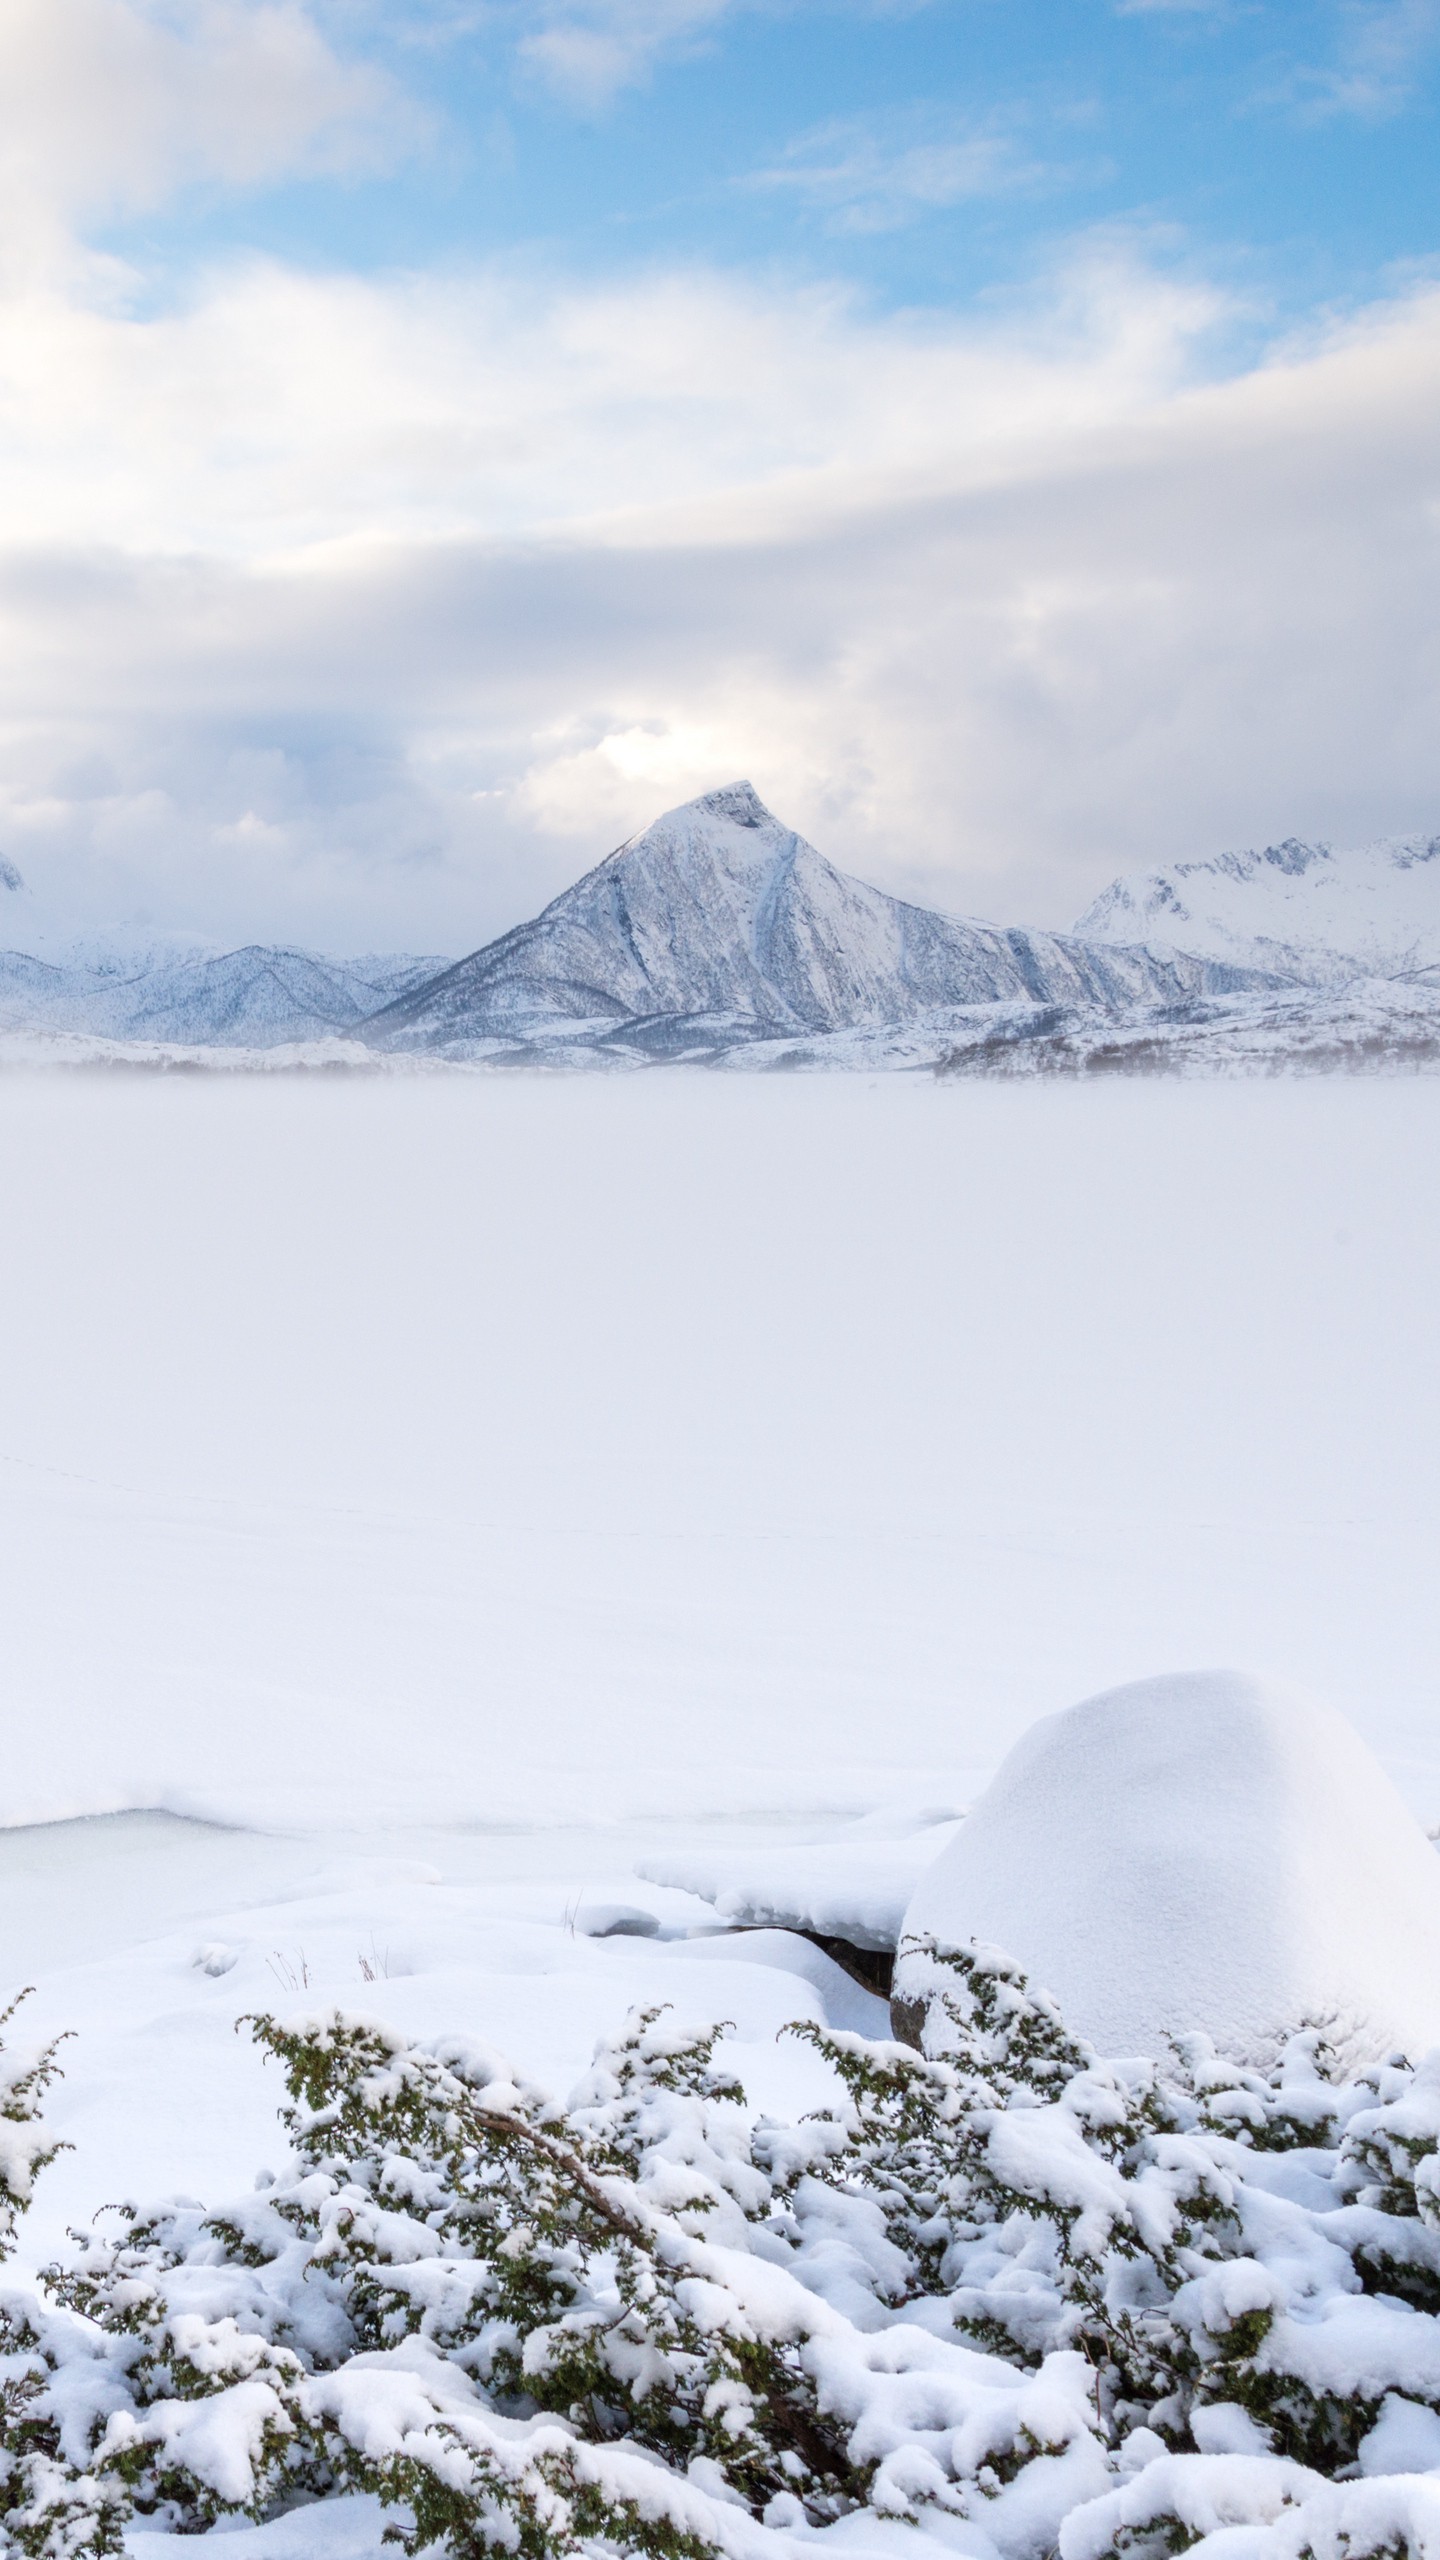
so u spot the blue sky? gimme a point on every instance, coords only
(931, 154)
(434, 437)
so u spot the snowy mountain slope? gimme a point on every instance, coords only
(255, 998)
(1303, 912)
(386, 974)
(31, 991)
(1364, 1026)
(249, 995)
(1368, 1027)
(721, 924)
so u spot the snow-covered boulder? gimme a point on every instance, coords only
(854, 1890)
(1204, 1851)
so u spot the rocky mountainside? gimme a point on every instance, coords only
(1300, 912)
(719, 926)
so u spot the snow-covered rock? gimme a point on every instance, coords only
(1205, 1851)
(855, 1890)
(1305, 912)
(720, 925)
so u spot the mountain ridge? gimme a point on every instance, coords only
(719, 933)
(1310, 913)
(719, 924)
(257, 996)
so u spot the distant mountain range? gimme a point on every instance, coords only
(253, 998)
(1303, 914)
(719, 934)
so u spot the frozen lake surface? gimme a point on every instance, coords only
(498, 1451)
(424, 1502)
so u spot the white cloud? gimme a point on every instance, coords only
(1365, 57)
(106, 106)
(869, 177)
(1372, 66)
(1383, 47)
(367, 612)
(589, 50)
(278, 411)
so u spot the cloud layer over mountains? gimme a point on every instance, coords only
(364, 610)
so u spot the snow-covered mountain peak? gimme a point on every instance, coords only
(1306, 912)
(719, 925)
(9, 876)
(728, 832)
(739, 802)
(1406, 851)
(1292, 857)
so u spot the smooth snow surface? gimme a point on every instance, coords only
(527, 1451)
(1205, 1851)
(1307, 912)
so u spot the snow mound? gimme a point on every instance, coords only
(1205, 1851)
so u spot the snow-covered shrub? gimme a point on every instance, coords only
(1111, 2305)
(25, 2146)
(51, 2503)
(1208, 2237)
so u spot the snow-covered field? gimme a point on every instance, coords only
(512, 1481)
(427, 1504)
(549, 1451)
